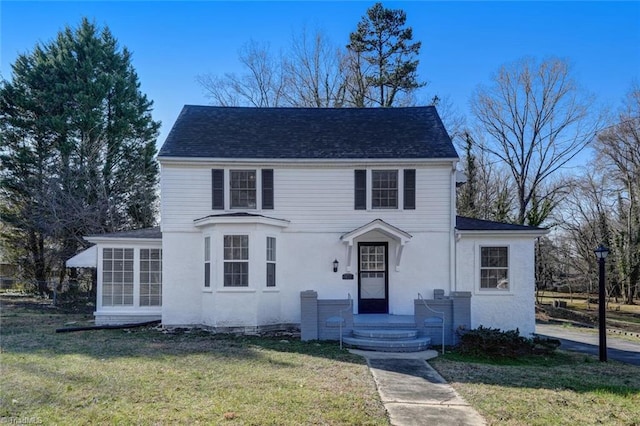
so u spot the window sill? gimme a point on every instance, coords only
(271, 290)
(207, 290)
(487, 292)
(236, 290)
(384, 209)
(129, 309)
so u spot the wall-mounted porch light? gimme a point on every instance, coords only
(335, 265)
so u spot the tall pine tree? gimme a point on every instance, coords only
(77, 147)
(382, 58)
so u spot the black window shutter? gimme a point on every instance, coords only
(360, 189)
(267, 189)
(217, 189)
(410, 189)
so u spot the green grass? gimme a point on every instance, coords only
(564, 389)
(145, 376)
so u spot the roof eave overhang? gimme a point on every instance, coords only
(87, 258)
(222, 220)
(378, 225)
(123, 240)
(217, 160)
(503, 233)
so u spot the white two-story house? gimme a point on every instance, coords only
(260, 205)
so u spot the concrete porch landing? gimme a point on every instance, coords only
(383, 321)
(386, 333)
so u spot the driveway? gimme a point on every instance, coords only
(587, 341)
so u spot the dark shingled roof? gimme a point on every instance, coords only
(308, 133)
(469, 224)
(136, 233)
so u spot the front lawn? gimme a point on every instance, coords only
(146, 376)
(564, 389)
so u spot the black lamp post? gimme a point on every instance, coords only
(601, 253)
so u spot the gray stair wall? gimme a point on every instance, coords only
(321, 318)
(457, 314)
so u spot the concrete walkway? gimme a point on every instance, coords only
(413, 393)
(587, 341)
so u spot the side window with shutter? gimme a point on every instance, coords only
(267, 189)
(217, 189)
(360, 186)
(409, 189)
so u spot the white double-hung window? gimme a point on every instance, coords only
(207, 262)
(384, 189)
(271, 262)
(243, 189)
(494, 268)
(236, 261)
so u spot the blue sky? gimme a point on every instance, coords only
(463, 42)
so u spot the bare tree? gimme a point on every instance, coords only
(538, 120)
(261, 85)
(618, 148)
(377, 68)
(488, 191)
(313, 72)
(454, 121)
(587, 223)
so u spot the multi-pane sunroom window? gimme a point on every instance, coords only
(117, 277)
(150, 277)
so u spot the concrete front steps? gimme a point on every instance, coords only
(387, 340)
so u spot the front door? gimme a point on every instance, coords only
(373, 278)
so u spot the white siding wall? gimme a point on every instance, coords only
(498, 309)
(182, 272)
(318, 202)
(304, 261)
(312, 198)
